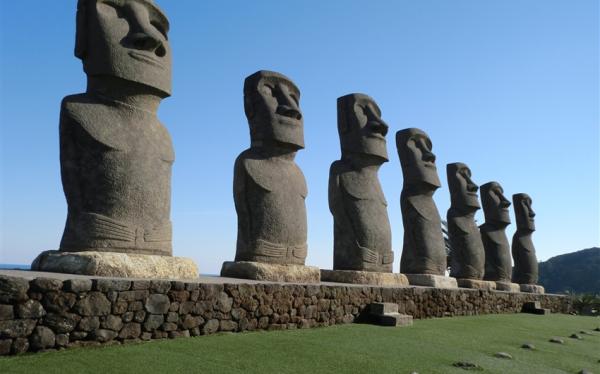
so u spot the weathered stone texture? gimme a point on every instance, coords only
(162, 309)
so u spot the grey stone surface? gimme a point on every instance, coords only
(423, 249)
(468, 255)
(476, 284)
(532, 288)
(498, 265)
(523, 251)
(528, 346)
(30, 309)
(362, 234)
(13, 289)
(557, 340)
(271, 272)
(115, 155)
(78, 285)
(269, 187)
(42, 338)
(508, 286)
(364, 277)
(112, 264)
(7, 312)
(208, 305)
(430, 280)
(503, 355)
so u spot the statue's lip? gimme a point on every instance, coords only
(145, 58)
(428, 164)
(376, 135)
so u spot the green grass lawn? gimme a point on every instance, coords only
(429, 346)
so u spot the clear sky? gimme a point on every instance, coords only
(508, 87)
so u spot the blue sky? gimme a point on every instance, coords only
(508, 87)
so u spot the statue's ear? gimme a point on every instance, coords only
(81, 29)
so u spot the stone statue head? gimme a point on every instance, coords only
(463, 191)
(126, 39)
(495, 205)
(361, 129)
(523, 212)
(272, 106)
(416, 158)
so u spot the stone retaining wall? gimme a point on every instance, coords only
(46, 313)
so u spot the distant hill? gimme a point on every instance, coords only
(577, 272)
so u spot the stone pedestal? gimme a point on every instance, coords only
(430, 280)
(532, 288)
(508, 286)
(476, 284)
(364, 277)
(386, 314)
(271, 272)
(119, 265)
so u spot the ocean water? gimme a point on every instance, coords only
(14, 266)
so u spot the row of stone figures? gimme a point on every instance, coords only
(116, 160)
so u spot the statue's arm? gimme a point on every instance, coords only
(70, 157)
(240, 182)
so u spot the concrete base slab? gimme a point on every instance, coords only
(364, 277)
(395, 319)
(532, 288)
(476, 284)
(271, 272)
(120, 265)
(508, 286)
(430, 280)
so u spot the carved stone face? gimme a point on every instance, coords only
(125, 39)
(523, 212)
(463, 191)
(495, 205)
(360, 126)
(416, 158)
(272, 105)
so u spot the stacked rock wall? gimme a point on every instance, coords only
(45, 313)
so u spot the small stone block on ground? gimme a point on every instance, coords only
(364, 277)
(508, 286)
(532, 288)
(271, 272)
(118, 265)
(534, 307)
(430, 280)
(476, 284)
(386, 314)
(383, 308)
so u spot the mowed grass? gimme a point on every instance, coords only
(429, 346)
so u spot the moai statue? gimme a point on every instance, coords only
(467, 262)
(423, 253)
(498, 266)
(269, 188)
(362, 249)
(525, 271)
(115, 155)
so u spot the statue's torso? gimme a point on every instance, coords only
(468, 255)
(116, 167)
(274, 191)
(526, 265)
(497, 254)
(423, 251)
(362, 233)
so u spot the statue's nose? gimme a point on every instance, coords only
(147, 42)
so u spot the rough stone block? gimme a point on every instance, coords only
(94, 304)
(157, 304)
(383, 308)
(77, 285)
(30, 309)
(16, 328)
(6, 312)
(476, 284)
(5, 345)
(271, 272)
(532, 288)
(430, 280)
(364, 277)
(42, 338)
(62, 323)
(394, 319)
(118, 265)
(508, 286)
(105, 285)
(13, 289)
(46, 284)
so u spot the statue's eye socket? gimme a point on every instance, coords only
(295, 98)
